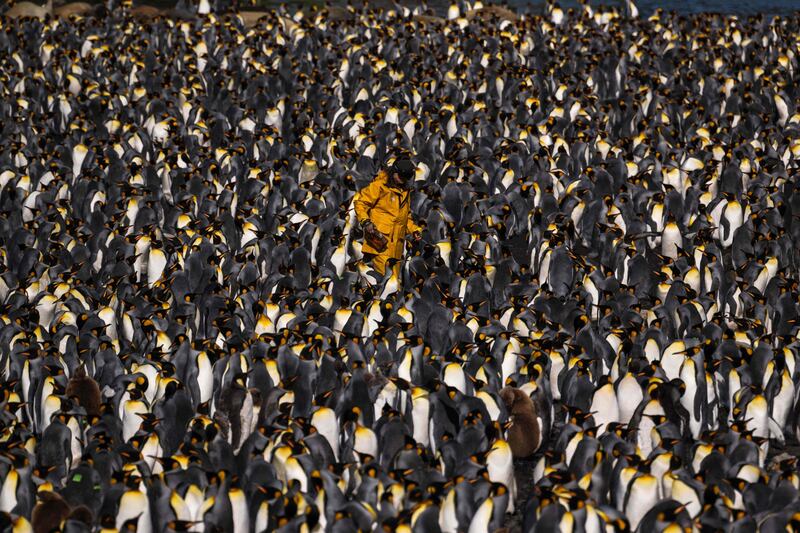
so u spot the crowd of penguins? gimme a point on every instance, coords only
(597, 330)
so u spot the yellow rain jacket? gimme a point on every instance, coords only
(389, 209)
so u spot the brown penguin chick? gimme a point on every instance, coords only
(146, 12)
(86, 391)
(50, 511)
(82, 514)
(524, 435)
(490, 11)
(78, 9)
(252, 18)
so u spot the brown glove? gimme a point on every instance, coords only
(375, 238)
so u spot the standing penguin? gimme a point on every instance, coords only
(605, 406)
(500, 466)
(85, 391)
(525, 434)
(641, 495)
(50, 512)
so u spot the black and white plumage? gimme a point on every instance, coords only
(605, 289)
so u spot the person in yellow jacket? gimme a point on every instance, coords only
(384, 206)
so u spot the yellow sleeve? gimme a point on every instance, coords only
(411, 226)
(365, 199)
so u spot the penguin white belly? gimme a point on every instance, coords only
(432, 438)
(150, 451)
(646, 426)
(491, 405)
(782, 108)
(140, 263)
(762, 280)
(577, 214)
(151, 373)
(386, 397)
(480, 521)
(544, 266)
(621, 486)
(262, 516)
(629, 395)
(191, 506)
(500, 466)
(685, 494)
(50, 406)
(409, 128)
(365, 441)
(711, 398)
(605, 407)
(404, 368)
(76, 440)
(594, 297)
(239, 511)
(651, 350)
(782, 402)
(643, 494)
(733, 215)
(79, 153)
(452, 127)
(46, 308)
(294, 472)
(692, 279)
(556, 366)
(134, 504)
(445, 249)
(557, 16)
(757, 416)
(339, 260)
(4, 289)
(572, 445)
(593, 523)
(454, 377)
(687, 375)
(391, 287)
(734, 384)
(8, 492)
(671, 364)
(340, 318)
(131, 419)
(420, 413)
(509, 365)
(205, 377)
(671, 240)
(373, 320)
(448, 520)
(659, 467)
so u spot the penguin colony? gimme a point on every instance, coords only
(606, 285)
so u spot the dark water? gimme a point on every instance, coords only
(646, 7)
